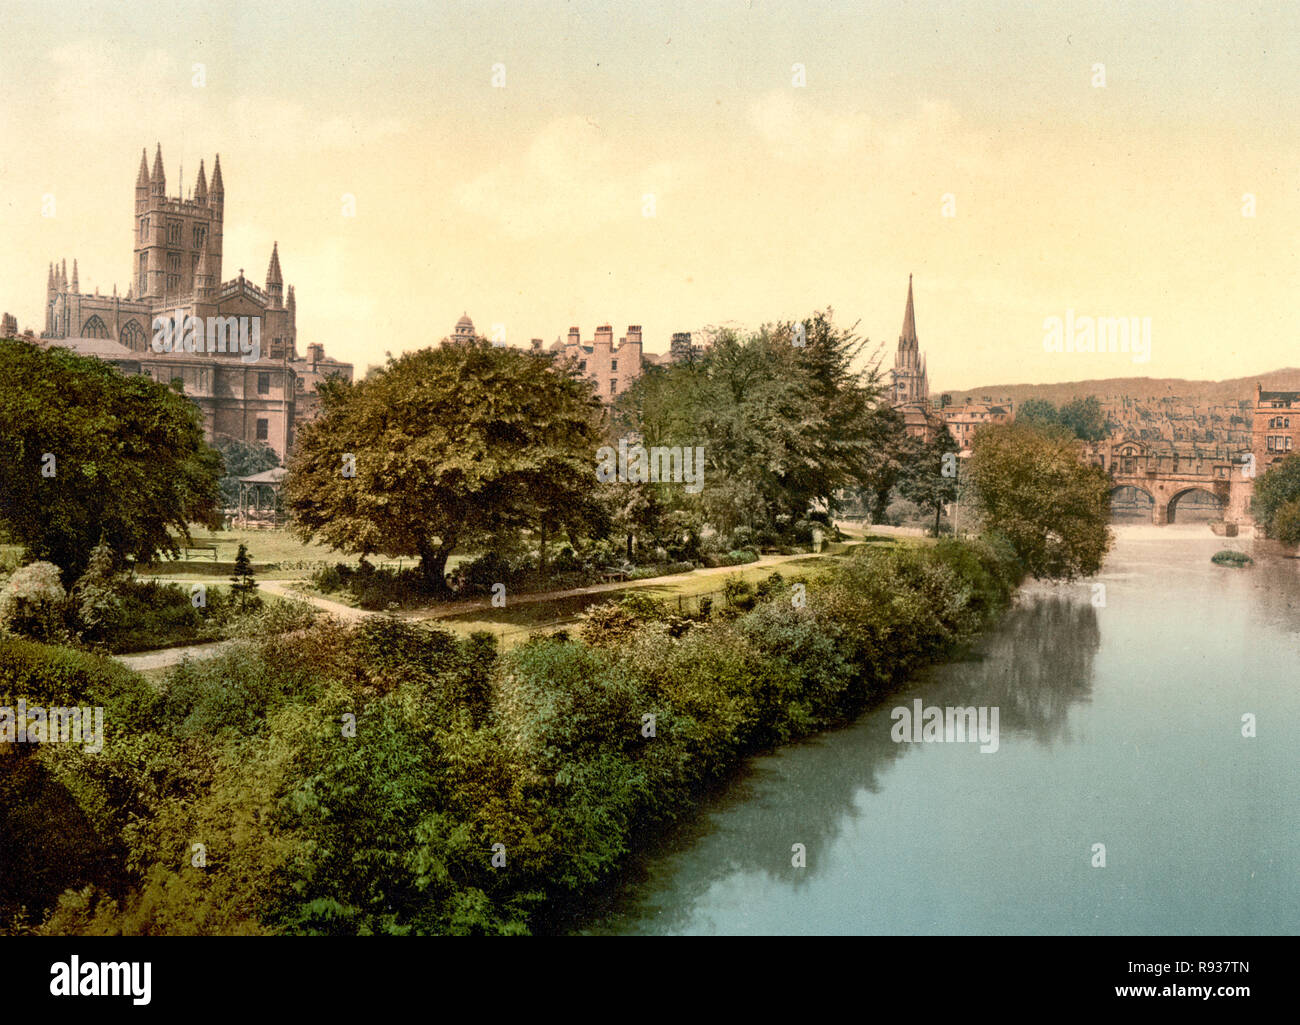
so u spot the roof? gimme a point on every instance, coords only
(271, 476)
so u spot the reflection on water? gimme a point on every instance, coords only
(1120, 724)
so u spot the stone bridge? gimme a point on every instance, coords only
(1167, 477)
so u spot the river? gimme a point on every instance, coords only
(1120, 723)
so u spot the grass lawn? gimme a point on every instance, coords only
(513, 625)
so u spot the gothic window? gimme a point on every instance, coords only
(94, 328)
(173, 282)
(174, 262)
(200, 233)
(194, 266)
(133, 336)
(174, 229)
(144, 273)
(144, 229)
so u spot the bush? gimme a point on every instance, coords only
(1227, 557)
(1286, 522)
(33, 603)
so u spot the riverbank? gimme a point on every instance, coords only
(413, 782)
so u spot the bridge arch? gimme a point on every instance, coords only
(1207, 510)
(1132, 501)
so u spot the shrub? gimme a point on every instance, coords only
(1227, 557)
(1286, 522)
(33, 602)
(99, 609)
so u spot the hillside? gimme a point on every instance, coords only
(1198, 393)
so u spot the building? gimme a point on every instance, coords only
(1275, 429)
(964, 420)
(176, 273)
(911, 385)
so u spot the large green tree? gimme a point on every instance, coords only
(458, 445)
(1030, 486)
(931, 479)
(87, 453)
(787, 418)
(1275, 489)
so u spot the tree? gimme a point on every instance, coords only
(242, 459)
(1039, 412)
(1274, 489)
(463, 444)
(1085, 419)
(786, 421)
(931, 479)
(88, 453)
(242, 584)
(1031, 487)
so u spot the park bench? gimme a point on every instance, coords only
(201, 548)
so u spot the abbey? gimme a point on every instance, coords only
(176, 274)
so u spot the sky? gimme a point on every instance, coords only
(796, 156)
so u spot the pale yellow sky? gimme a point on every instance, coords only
(524, 204)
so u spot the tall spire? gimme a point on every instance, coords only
(63, 277)
(274, 279)
(909, 317)
(49, 281)
(76, 286)
(143, 177)
(218, 189)
(201, 186)
(159, 177)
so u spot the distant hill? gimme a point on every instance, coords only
(1199, 393)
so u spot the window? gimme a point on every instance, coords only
(263, 384)
(1288, 443)
(144, 228)
(144, 273)
(174, 233)
(173, 282)
(262, 432)
(200, 233)
(613, 386)
(613, 366)
(583, 365)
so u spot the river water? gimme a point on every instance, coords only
(1120, 723)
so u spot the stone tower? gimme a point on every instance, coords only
(910, 381)
(174, 235)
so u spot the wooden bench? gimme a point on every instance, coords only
(610, 575)
(202, 548)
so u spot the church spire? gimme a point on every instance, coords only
(143, 177)
(274, 279)
(909, 317)
(201, 186)
(76, 286)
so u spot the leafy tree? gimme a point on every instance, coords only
(459, 445)
(786, 420)
(1085, 419)
(242, 584)
(1274, 489)
(1040, 412)
(931, 479)
(1031, 487)
(87, 453)
(242, 459)
(1286, 523)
